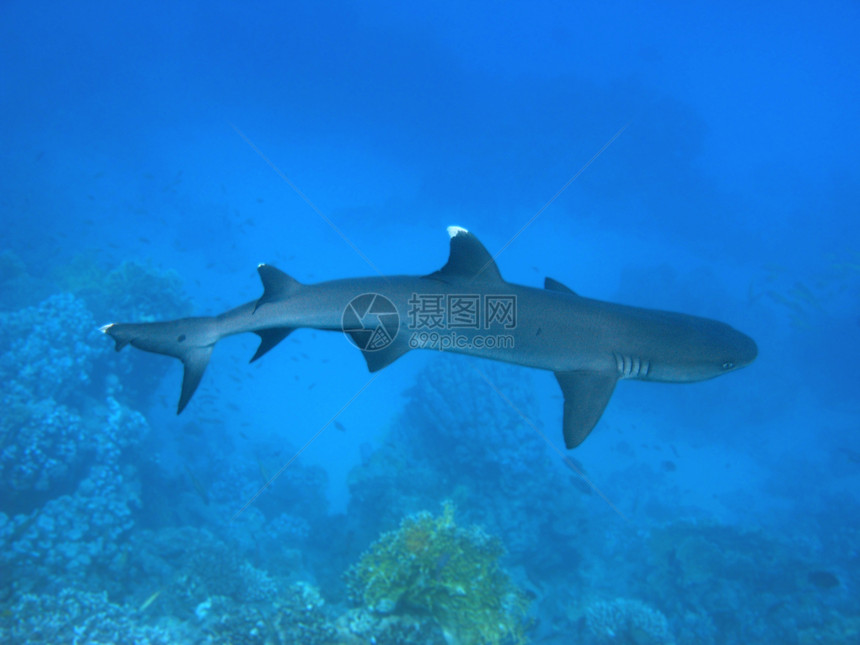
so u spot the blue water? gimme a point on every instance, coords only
(152, 156)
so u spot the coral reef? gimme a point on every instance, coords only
(48, 351)
(627, 621)
(132, 291)
(75, 616)
(53, 423)
(294, 616)
(19, 288)
(114, 528)
(75, 534)
(457, 438)
(361, 626)
(430, 565)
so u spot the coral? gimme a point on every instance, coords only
(46, 445)
(627, 621)
(40, 444)
(299, 616)
(18, 287)
(360, 626)
(75, 533)
(458, 415)
(837, 630)
(298, 491)
(695, 555)
(211, 568)
(48, 351)
(296, 616)
(132, 291)
(430, 565)
(76, 616)
(458, 438)
(730, 581)
(51, 423)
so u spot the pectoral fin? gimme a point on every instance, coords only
(585, 397)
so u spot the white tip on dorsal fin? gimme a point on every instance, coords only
(276, 285)
(468, 260)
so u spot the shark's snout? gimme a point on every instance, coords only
(748, 350)
(742, 351)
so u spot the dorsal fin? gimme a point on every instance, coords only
(555, 285)
(468, 260)
(276, 285)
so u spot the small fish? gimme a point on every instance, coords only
(669, 466)
(786, 302)
(580, 485)
(198, 486)
(263, 472)
(801, 292)
(441, 562)
(823, 579)
(19, 531)
(150, 600)
(851, 455)
(573, 464)
(339, 426)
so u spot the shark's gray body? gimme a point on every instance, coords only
(588, 344)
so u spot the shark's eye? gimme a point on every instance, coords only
(728, 365)
(181, 338)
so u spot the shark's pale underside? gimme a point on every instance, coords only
(588, 344)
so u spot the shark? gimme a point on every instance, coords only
(466, 307)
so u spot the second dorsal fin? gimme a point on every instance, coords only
(555, 285)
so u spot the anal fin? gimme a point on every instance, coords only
(379, 358)
(269, 338)
(585, 397)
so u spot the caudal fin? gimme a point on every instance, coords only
(189, 339)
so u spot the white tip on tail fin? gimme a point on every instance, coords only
(454, 231)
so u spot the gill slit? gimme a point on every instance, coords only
(631, 366)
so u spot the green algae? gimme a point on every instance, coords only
(432, 566)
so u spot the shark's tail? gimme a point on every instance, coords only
(189, 339)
